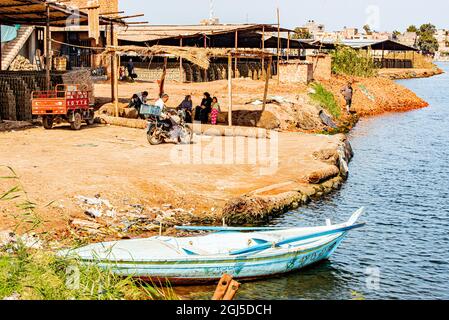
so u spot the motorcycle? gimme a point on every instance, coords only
(160, 131)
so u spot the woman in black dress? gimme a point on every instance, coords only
(202, 111)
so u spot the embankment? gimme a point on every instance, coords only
(262, 205)
(398, 74)
(373, 96)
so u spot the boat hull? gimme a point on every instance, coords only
(243, 268)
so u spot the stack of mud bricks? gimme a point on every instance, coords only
(15, 92)
(192, 73)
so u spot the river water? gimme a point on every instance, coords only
(400, 173)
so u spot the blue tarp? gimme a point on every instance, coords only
(9, 33)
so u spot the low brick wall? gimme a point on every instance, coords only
(322, 66)
(296, 71)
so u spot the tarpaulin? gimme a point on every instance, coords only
(9, 33)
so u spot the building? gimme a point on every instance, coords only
(408, 38)
(442, 36)
(74, 41)
(315, 29)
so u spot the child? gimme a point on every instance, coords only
(215, 111)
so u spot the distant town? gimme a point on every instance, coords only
(427, 37)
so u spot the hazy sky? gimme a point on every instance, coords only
(382, 15)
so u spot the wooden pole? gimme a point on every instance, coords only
(236, 48)
(263, 49)
(1, 54)
(181, 73)
(114, 78)
(164, 73)
(267, 82)
(230, 90)
(288, 47)
(48, 50)
(279, 45)
(205, 71)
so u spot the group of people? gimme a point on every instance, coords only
(209, 107)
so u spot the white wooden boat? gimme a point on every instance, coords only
(244, 253)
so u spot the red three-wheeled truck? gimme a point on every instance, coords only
(65, 103)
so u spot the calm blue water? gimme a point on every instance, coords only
(400, 173)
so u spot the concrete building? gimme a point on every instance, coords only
(442, 35)
(315, 29)
(408, 38)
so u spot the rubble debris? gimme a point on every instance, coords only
(104, 219)
(9, 240)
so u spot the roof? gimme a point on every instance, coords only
(218, 36)
(389, 45)
(152, 33)
(33, 12)
(198, 56)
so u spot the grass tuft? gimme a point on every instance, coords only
(32, 274)
(325, 99)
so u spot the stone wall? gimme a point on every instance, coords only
(296, 72)
(322, 66)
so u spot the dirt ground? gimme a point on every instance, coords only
(119, 165)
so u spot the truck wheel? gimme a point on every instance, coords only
(90, 122)
(91, 119)
(76, 124)
(47, 122)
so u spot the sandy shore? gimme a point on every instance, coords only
(119, 165)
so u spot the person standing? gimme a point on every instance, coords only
(348, 93)
(130, 67)
(215, 111)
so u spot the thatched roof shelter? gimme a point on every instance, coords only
(33, 12)
(198, 56)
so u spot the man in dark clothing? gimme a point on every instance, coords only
(202, 111)
(130, 68)
(137, 100)
(347, 93)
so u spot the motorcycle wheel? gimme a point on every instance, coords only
(154, 137)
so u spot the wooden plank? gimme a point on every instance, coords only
(231, 291)
(222, 287)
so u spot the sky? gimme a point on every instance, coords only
(381, 15)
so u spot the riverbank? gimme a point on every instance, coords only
(130, 188)
(401, 74)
